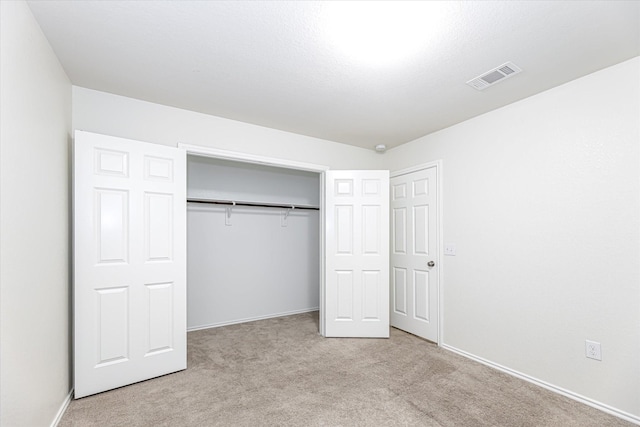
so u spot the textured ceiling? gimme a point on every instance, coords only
(287, 65)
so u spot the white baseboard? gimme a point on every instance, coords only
(250, 319)
(582, 399)
(62, 410)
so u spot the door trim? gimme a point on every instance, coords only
(438, 164)
(251, 158)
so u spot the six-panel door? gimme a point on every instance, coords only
(414, 283)
(129, 262)
(356, 297)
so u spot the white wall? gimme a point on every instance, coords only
(255, 267)
(252, 269)
(114, 115)
(542, 200)
(35, 117)
(210, 178)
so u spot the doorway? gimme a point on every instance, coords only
(253, 241)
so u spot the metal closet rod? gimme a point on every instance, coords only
(263, 205)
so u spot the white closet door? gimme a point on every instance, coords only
(129, 262)
(356, 294)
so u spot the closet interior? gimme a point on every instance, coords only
(253, 242)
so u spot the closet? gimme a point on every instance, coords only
(253, 240)
(169, 239)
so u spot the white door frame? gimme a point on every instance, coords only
(439, 233)
(198, 150)
(237, 156)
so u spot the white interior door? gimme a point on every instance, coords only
(356, 279)
(129, 262)
(414, 253)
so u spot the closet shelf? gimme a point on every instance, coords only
(263, 205)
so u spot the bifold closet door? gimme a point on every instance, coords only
(129, 262)
(356, 292)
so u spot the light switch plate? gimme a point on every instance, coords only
(450, 250)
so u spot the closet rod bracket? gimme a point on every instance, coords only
(227, 218)
(288, 211)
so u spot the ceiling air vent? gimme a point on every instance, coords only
(494, 76)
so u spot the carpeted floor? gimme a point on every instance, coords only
(280, 372)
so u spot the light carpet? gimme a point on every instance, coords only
(280, 372)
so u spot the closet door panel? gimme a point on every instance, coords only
(158, 226)
(112, 217)
(160, 314)
(344, 295)
(129, 262)
(113, 325)
(356, 289)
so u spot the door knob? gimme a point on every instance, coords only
(431, 264)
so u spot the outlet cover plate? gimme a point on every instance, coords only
(593, 350)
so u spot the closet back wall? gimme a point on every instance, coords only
(260, 265)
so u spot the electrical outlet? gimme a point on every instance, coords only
(593, 350)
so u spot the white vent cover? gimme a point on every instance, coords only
(492, 77)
